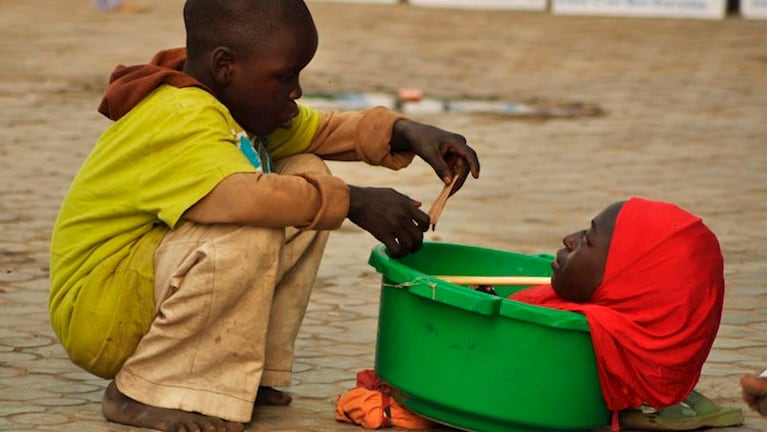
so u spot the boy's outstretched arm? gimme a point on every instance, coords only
(312, 201)
(393, 218)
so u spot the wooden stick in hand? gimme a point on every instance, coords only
(439, 203)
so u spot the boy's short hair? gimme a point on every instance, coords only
(237, 24)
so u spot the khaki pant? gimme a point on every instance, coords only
(230, 301)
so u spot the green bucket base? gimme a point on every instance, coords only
(480, 362)
(457, 419)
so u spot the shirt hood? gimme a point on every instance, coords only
(129, 85)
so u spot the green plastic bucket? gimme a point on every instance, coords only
(479, 362)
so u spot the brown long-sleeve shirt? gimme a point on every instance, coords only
(307, 200)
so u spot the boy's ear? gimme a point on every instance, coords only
(221, 65)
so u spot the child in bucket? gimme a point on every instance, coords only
(648, 276)
(184, 254)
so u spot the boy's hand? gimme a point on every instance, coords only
(391, 217)
(446, 152)
(755, 392)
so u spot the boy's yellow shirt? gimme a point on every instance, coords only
(145, 171)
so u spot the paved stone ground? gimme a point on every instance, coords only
(685, 109)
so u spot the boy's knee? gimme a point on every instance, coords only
(302, 162)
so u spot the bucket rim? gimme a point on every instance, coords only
(397, 275)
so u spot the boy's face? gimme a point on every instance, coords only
(579, 266)
(262, 87)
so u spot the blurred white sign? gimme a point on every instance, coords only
(702, 9)
(538, 5)
(360, 1)
(753, 8)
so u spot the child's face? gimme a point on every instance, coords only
(263, 87)
(579, 266)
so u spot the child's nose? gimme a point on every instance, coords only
(296, 93)
(570, 241)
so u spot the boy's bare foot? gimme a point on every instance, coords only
(271, 396)
(119, 408)
(755, 392)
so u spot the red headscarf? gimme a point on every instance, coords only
(656, 313)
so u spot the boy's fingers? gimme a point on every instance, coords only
(443, 171)
(473, 162)
(462, 175)
(468, 157)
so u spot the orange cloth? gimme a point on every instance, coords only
(370, 405)
(654, 317)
